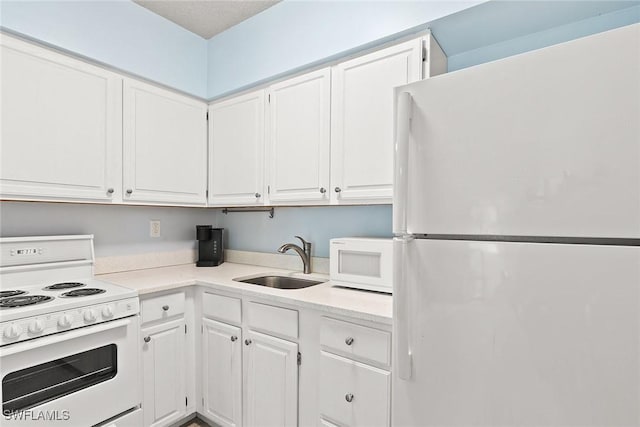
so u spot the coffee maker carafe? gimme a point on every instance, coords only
(210, 246)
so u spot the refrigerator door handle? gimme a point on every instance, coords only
(401, 314)
(401, 163)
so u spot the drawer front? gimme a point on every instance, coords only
(270, 319)
(352, 393)
(225, 309)
(162, 307)
(356, 341)
(132, 419)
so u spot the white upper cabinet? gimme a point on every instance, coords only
(362, 130)
(165, 146)
(61, 126)
(236, 150)
(298, 133)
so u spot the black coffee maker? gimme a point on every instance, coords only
(210, 246)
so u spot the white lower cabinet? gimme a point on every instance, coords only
(166, 358)
(353, 393)
(222, 373)
(164, 373)
(271, 381)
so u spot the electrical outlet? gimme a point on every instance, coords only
(154, 228)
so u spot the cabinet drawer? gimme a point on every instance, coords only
(277, 320)
(162, 307)
(352, 393)
(356, 341)
(226, 309)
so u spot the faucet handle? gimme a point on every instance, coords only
(306, 245)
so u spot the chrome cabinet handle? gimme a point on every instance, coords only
(165, 307)
(337, 189)
(258, 195)
(234, 338)
(323, 190)
(129, 191)
(147, 339)
(348, 397)
(247, 342)
(110, 191)
(348, 341)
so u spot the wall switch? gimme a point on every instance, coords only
(154, 228)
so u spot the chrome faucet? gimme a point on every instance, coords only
(305, 253)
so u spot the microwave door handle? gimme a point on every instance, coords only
(63, 336)
(401, 163)
(401, 314)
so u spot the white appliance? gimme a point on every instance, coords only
(69, 344)
(362, 263)
(517, 222)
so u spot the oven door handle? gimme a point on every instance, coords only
(63, 336)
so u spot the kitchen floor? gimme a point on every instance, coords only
(196, 422)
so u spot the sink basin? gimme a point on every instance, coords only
(281, 282)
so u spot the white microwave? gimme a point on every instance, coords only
(362, 263)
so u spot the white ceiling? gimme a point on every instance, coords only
(206, 17)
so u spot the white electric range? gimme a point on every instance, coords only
(67, 339)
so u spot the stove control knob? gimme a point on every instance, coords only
(107, 312)
(65, 321)
(89, 316)
(36, 326)
(12, 332)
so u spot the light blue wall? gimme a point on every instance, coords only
(294, 34)
(118, 230)
(548, 37)
(119, 33)
(257, 232)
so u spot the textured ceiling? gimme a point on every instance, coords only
(206, 17)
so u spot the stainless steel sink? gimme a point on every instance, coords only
(280, 282)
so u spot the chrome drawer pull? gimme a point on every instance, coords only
(165, 307)
(348, 341)
(348, 397)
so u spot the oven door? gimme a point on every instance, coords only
(76, 378)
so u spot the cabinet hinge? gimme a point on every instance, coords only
(424, 53)
(207, 115)
(185, 329)
(206, 193)
(268, 189)
(202, 329)
(299, 358)
(186, 401)
(269, 98)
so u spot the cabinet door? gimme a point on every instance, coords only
(362, 131)
(222, 373)
(271, 381)
(352, 393)
(298, 139)
(164, 373)
(165, 146)
(236, 150)
(61, 126)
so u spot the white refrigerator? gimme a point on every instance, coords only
(517, 229)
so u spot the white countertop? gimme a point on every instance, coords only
(325, 297)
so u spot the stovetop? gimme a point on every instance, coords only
(17, 302)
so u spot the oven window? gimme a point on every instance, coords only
(39, 384)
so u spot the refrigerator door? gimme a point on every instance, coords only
(518, 334)
(546, 143)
